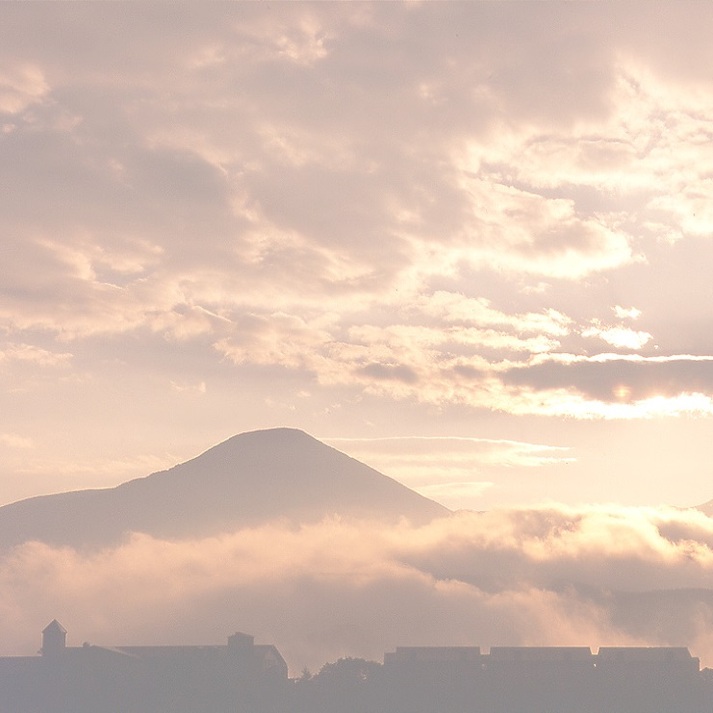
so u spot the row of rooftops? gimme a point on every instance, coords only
(54, 641)
(433, 654)
(239, 648)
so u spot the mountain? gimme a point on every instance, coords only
(706, 508)
(252, 478)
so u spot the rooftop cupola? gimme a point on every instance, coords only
(54, 639)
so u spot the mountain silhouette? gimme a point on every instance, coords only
(706, 508)
(252, 478)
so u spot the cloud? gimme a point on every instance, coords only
(620, 337)
(611, 378)
(626, 312)
(518, 230)
(199, 388)
(21, 86)
(457, 308)
(13, 440)
(30, 354)
(540, 576)
(422, 450)
(453, 471)
(232, 199)
(481, 357)
(396, 372)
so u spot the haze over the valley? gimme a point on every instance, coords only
(467, 244)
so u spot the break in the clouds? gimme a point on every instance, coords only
(578, 576)
(217, 218)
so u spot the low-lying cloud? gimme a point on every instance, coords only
(557, 575)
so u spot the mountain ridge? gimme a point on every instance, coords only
(248, 479)
(706, 508)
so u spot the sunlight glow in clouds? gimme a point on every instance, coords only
(20, 86)
(561, 403)
(621, 337)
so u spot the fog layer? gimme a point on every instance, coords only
(555, 575)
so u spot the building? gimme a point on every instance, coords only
(237, 676)
(520, 679)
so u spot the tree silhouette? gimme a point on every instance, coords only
(349, 685)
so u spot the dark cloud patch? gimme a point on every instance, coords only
(91, 45)
(469, 372)
(334, 208)
(390, 372)
(560, 238)
(618, 379)
(64, 180)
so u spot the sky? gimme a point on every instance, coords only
(466, 243)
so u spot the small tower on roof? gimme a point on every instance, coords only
(54, 639)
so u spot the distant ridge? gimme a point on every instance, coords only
(254, 477)
(705, 508)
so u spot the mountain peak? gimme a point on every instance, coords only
(249, 479)
(269, 437)
(279, 433)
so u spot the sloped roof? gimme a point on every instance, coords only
(53, 626)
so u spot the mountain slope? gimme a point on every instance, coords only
(706, 508)
(249, 479)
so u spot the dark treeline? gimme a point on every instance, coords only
(349, 685)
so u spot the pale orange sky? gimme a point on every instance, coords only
(467, 243)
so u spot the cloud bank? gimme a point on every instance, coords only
(232, 175)
(557, 575)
